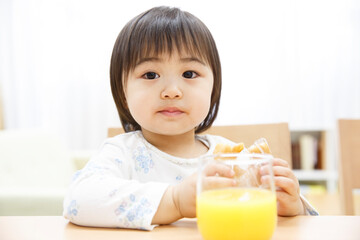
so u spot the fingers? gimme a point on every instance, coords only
(218, 169)
(278, 171)
(213, 182)
(287, 185)
(280, 168)
(284, 178)
(280, 162)
(218, 176)
(283, 184)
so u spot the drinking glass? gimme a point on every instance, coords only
(246, 210)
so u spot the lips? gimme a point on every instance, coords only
(171, 111)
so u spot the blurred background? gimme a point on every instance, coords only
(294, 61)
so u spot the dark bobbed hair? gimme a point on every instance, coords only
(152, 33)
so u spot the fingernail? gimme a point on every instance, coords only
(232, 173)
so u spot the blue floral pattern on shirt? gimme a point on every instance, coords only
(118, 162)
(143, 160)
(76, 175)
(72, 209)
(132, 211)
(312, 212)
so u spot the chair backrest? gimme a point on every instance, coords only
(113, 131)
(276, 134)
(349, 167)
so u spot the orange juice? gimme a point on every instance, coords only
(236, 213)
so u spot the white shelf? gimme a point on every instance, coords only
(315, 175)
(330, 177)
(327, 144)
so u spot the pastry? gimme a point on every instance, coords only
(246, 177)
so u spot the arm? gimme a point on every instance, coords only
(180, 200)
(103, 195)
(167, 211)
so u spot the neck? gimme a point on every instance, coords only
(183, 145)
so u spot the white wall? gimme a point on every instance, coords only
(296, 61)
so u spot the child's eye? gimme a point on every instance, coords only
(151, 75)
(190, 74)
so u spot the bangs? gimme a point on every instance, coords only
(153, 36)
(154, 47)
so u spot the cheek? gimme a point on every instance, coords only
(202, 106)
(138, 103)
(138, 107)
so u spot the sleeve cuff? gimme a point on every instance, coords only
(309, 210)
(156, 199)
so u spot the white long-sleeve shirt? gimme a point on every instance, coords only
(122, 185)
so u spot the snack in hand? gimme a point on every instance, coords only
(251, 176)
(225, 148)
(260, 146)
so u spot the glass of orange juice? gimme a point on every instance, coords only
(246, 210)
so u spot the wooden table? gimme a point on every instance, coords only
(56, 227)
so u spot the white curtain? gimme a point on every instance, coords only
(296, 61)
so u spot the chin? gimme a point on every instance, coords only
(171, 131)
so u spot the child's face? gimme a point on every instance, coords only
(169, 95)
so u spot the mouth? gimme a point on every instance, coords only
(171, 112)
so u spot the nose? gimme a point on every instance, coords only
(171, 91)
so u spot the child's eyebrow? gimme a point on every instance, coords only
(192, 59)
(148, 59)
(156, 59)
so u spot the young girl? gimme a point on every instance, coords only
(166, 80)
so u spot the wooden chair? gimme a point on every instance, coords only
(113, 131)
(277, 135)
(349, 167)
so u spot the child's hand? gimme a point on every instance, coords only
(184, 194)
(287, 188)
